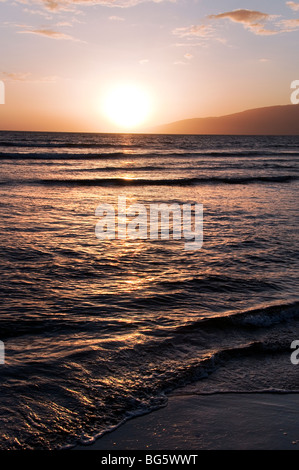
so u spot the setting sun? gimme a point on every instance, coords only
(127, 106)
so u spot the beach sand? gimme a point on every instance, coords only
(232, 421)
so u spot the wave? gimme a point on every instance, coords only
(219, 283)
(249, 319)
(62, 156)
(126, 168)
(202, 338)
(151, 153)
(156, 367)
(165, 182)
(77, 145)
(263, 317)
(123, 182)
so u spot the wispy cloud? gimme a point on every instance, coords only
(293, 5)
(181, 62)
(255, 22)
(197, 35)
(199, 31)
(49, 33)
(289, 25)
(116, 18)
(16, 76)
(250, 19)
(191, 44)
(243, 16)
(64, 23)
(56, 5)
(38, 12)
(26, 77)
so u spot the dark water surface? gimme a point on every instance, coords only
(99, 331)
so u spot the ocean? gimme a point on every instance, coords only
(99, 331)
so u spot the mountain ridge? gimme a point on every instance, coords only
(271, 120)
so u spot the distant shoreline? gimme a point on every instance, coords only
(281, 120)
(273, 120)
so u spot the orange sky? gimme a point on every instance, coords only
(61, 59)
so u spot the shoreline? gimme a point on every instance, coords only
(231, 421)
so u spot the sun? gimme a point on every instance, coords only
(127, 106)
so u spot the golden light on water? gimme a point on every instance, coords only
(129, 177)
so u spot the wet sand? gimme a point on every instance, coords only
(232, 421)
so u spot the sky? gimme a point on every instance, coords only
(88, 65)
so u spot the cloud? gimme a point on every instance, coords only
(186, 56)
(243, 16)
(16, 76)
(64, 23)
(191, 44)
(49, 33)
(199, 31)
(26, 77)
(289, 25)
(197, 35)
(255, 21)
(53, 5)
(56, 5)
(294, 6)
(143, 61)
(37, 12)
(250, 19)
(116, 18)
